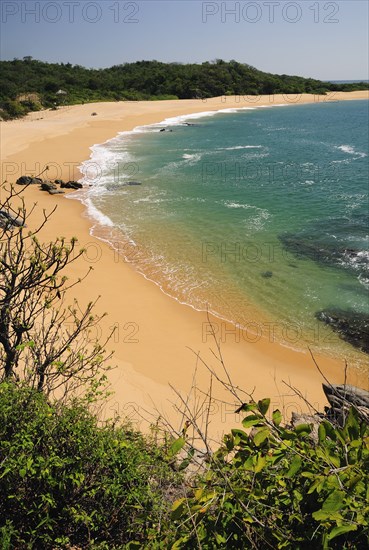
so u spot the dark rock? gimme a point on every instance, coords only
(71, 185)
(267, 274)
(343, 396)
(48, 186)
(59, 182)
(56, 192)
(166, 130)
(353, 327)
(345, 393)
(133, 183)
(8, 221)
(93, 114)
(27, 180)
(317, 242)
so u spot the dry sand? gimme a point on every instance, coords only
(154, 332)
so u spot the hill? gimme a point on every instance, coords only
(28, 85)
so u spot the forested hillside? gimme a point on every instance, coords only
(29, 84)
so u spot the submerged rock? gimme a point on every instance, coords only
(332, 243)
(267, 274)
(353, 327)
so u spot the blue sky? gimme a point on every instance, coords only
(321, 39)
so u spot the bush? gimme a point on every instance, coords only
(66, 481)
(277, 488)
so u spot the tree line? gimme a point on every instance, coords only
(30, 85)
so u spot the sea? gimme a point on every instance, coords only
(257, 215)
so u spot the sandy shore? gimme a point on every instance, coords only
(154, 332)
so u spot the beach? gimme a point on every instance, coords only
(157, 339)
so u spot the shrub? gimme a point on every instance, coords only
(66, 481)
(276, 488)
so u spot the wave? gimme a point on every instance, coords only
(236, 147)
(350, 150)
(192, 158)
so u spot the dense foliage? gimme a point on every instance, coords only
(65, 481)
(29, 84)
(281, 487)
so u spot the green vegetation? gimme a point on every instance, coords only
(65, 481)
(68, 479)
(278, 488)
(20, 80)
(44, 340)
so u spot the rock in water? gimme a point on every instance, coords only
(353, 327)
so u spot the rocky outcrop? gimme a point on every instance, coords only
(71, 185)
(343, 396)
(351, 326)
(48, 186)
(51, 187)
(28, 180)
(8, 221)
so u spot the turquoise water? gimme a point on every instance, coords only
(259, 215)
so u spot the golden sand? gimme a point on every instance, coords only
(155, 334)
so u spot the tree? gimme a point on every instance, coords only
(44, 340)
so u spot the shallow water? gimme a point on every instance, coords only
(260, 215)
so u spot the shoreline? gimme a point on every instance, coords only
(154, 330)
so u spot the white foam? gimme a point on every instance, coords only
(192, 158)
(349, 149)
(236, 147)
(94, 213)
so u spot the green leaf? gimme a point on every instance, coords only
(246, 407)
(178, 508)
(340, 530)
(219, 538)
(29, 344)
(303, 428)
(252, 420)
(322, 434)
(295, 466)
(239, 435)
(277, 417)
(263, 405)
(261, 435)
(176, 446)
(261, 461)
(331, 505)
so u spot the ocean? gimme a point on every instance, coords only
(258, 215)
